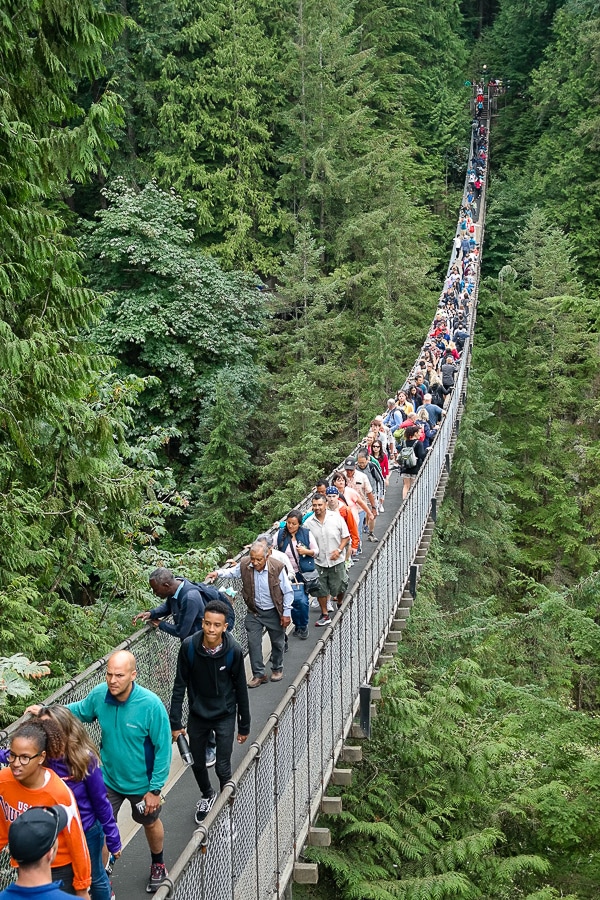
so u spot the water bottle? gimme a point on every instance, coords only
(184, 750)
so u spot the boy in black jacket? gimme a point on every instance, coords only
(210, 666)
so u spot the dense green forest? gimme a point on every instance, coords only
(224, 226)
(165, 167)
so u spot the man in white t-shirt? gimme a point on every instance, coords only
(332, 536)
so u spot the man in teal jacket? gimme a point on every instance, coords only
(136, 749)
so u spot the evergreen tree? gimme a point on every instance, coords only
(545, 416)
(223, 469)
(215, 121)
(327, 122)
(73, 510)
(301, 456)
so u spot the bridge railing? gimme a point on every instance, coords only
(247, 848)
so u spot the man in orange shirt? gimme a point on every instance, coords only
(333, 503)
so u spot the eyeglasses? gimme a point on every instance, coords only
(22, 758)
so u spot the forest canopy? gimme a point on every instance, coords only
(224, 226)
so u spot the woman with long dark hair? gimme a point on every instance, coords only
(299, 546)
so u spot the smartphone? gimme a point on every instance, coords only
(141, 806)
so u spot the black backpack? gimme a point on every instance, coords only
(209, 592)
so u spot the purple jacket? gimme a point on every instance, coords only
(91, 798)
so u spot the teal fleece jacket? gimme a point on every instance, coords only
(136, 738)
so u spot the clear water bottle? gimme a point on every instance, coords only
(184, 750)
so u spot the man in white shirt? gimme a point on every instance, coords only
(332, 536)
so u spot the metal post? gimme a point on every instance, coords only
(365, 709)
(412, 581)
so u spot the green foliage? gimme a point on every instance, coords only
(215, 120)
(224, 468)
(15, 674)
(301, 456)
(174, 313)
(544, 412)
(515, 43)
(434, 824)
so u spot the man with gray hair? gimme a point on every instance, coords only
(268, 594)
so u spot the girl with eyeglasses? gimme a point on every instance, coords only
(28, 782)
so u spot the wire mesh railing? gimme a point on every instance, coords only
(247, 847)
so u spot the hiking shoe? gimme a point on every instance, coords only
(257, 681)
(211, 756)
(322, 621)
(203, 807)
(373, 538)
(276, 676)
(302, 633)
(158, 873)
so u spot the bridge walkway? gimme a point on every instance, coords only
(131, 871)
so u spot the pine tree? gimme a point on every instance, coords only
(215, 122)
(542, 411)
(224, 468)
(302, 456)
(73, 508)
(327, 121)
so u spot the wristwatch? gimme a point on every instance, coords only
(155, 792)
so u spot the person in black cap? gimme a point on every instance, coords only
(33, 842)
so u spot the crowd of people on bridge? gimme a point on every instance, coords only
(60, 796)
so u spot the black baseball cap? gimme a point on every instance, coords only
(34, 832)
(349, 462)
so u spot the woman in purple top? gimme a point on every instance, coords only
(79, 768)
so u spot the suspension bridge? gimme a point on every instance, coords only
(305, 733)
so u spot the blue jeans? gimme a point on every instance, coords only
(362, 516)
(300, 613)
(100, 888)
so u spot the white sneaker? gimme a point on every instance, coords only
(314, 603)
(330, 606)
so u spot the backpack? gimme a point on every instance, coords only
(209, 592)
(407, 456)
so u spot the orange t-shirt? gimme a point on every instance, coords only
(347, 514)
(15, 798)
